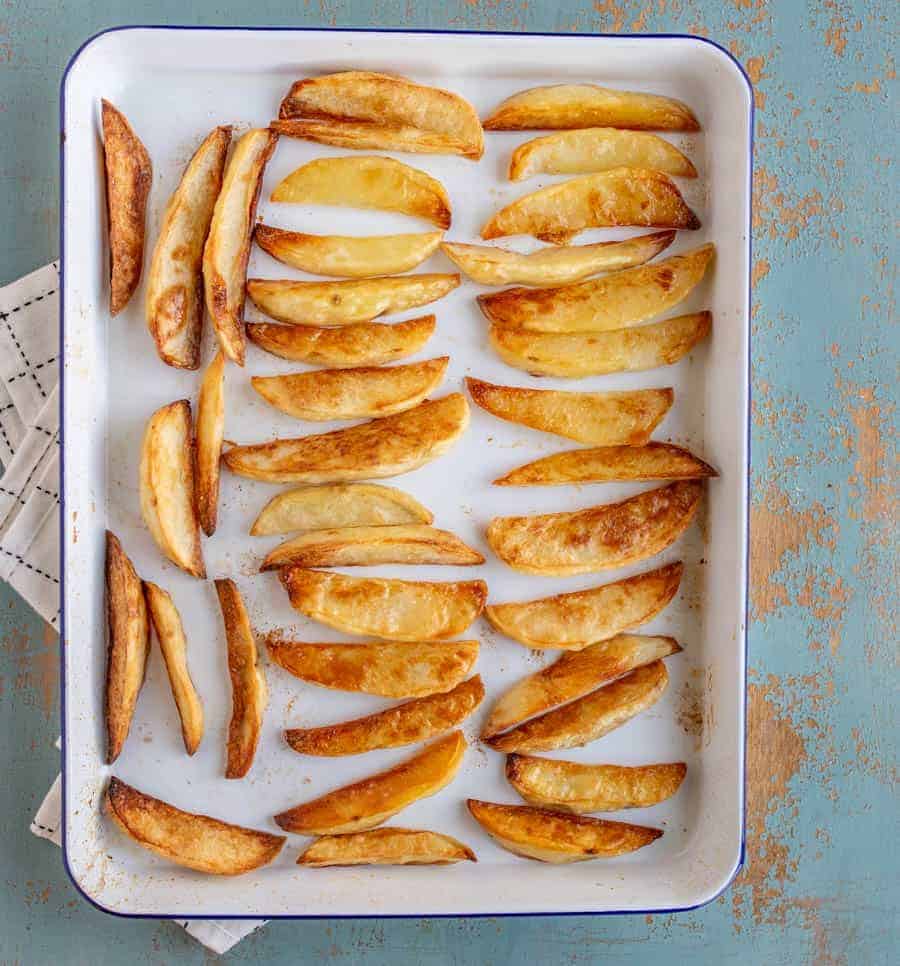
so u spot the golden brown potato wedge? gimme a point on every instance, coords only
(338, 505)
(361, 136)
(408, 543)
(228, 244)
(612, 302)
(396, 610)
(386, 103)
(609, 464)
(386, 846)
(369, 391)
(623, 196)
(249, 693)
(604, 418)
(587, 105)
(594, 149)
(346, 256)
(367, 182)
(345, 346)
(168, 498)
(404, 724)
(210, 432)
(128, 646)
(572, 676)
(590, 717)
(597, 538)
(367, 803)
(574, 355)
(128, 176)
(575, 620)
(173, 644)
(554, 266)
(195, 841)
(374, 450)
(390, 670)
(174, 305)
(539, 833)
(578, 788)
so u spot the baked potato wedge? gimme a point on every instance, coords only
(209, 433)
(601, 418)
(553, 266)
(358, 135)
(227, 246)
(578, 788)
(374, 450)
(573, 621)
(174, 304)
(573, 355)
(539, 833)
(345, 346)
(390, 670)
(395, 610)
(367, 182)
(249, 693)
(346, 256)
(194, 841)
(612, 302)
(128, 645)
(367, 803)
(621, 197)
(366, 392)
(173, 645)
(386, 846)
(129, 173)
(404, 724)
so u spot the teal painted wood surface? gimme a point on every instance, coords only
(820, 884)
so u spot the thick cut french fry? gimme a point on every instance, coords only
(386, 846)
(210, 432)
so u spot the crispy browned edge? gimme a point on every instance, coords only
(207, 486)
(466, 854)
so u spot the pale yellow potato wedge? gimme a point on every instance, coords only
(605, 418)
(539, 833)
(340, 303)
(168, 497)
(367, 803)
(173, 645)
(388, 102)
(575, 620)
(624, 196)
(228, 243)
(612, 302)
(573, 355)
(338, 505)
(346, 256)
(249, 693)
(209, 433)
(128, 645)
(174, 304)
(610, 464)
(562, 106)
(404, 724)
(358, 135)
(572, 676)
(554, 266)
(409, 543)
(395, 610)
(194, 841)
(594, 149)
(368, 391)
(386, 846)
(345, 346)
(367, 182)
(129, 173)
(374, 450)
(407, 669)
(578, 788)
(590, 717)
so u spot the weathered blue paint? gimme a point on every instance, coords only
(820, 881)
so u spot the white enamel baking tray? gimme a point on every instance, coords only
(175, 84)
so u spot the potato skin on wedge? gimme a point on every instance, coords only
(386, 846)
(367, 803)
(209, 433)
(194, 841)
